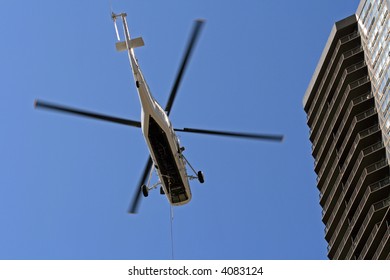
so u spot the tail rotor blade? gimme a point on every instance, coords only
(254, 136)
(116, 31)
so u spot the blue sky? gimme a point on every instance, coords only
(66, 182)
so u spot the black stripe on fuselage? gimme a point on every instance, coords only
(166, 162)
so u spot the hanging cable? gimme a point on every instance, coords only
(171, 219)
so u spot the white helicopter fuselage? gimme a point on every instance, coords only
(159, 135)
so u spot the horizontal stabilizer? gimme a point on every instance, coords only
(133, 43)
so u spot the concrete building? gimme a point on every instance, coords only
(347, 104)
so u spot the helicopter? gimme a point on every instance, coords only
(166, 156)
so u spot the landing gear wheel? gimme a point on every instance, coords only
(200, 177)
(162, 190)
(145, 190)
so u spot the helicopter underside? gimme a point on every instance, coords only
(166, 164)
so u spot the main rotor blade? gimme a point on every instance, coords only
(191, 43)
(254, 136)
(74, 111)
(137, 196)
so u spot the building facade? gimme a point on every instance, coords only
(374, 27)
(347, 104)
